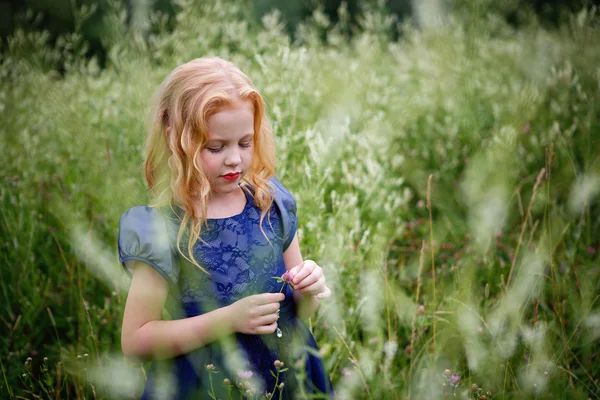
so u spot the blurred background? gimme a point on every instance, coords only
(445, 157)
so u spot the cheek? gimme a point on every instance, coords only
(210, 164)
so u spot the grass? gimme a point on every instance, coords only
(454, 169)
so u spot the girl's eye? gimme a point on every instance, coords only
(215, 149)
(246, 144)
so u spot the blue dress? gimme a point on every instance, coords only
(241, 261)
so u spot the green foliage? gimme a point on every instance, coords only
(360, 125)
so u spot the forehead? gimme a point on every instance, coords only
(233, 121)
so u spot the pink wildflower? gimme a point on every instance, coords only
(591, 250)
(286, 277)
(245, 374)
(454, 379)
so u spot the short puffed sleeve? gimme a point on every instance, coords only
(144, 236)
(286, 207)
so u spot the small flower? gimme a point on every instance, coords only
(86, 355)
(454, 379)
(45, 359)
(245, 374)
(420, 204)
(226, 382)
(286, 277)
(474, 387)
(278, 364)
(281, 385)
(421, 309)
(23, 375)
(79, 357)
(526, 357)
(591, 250)
(482, 397)
(29, 359)
(447, 372)
(210, 367)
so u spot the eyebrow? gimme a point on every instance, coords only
(245, 137)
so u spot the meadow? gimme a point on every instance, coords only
(447, 182)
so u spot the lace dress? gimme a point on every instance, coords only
(241, 261)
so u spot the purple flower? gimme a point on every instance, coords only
(454, 379)
(286, 277)
(591, 250)
(245, 374)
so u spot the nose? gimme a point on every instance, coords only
(233, 158)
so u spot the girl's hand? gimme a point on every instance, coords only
(257, 314)
(308, 278)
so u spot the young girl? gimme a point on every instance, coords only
(211, 247)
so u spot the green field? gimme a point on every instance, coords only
(447, 182)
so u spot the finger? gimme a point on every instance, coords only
(324, 294)
(299, 268)
(267, 319)
(315, 288)
(267, 309)
(266, 329)
(309, 280)
(292, 272)
(268, 298)
(307, 267)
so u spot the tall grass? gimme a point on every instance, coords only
(447, 183)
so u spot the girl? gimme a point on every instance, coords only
(211, 248)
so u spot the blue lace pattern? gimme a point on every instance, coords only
(241, 259)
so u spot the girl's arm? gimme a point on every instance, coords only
(307, 304)
(145, 335)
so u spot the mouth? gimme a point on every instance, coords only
(232, 176)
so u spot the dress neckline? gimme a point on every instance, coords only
(235, 216)
(178, 212)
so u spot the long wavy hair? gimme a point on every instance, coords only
(179, 130)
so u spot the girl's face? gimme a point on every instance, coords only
(228, 152)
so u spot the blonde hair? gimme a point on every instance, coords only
(185, 100)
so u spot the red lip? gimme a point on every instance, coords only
(231, 176)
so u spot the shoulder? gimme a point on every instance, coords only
(151, 225)
(282, 196)
(286, 208)
(137, 213)
(142, 218)
(143, 215)
(145, 234)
